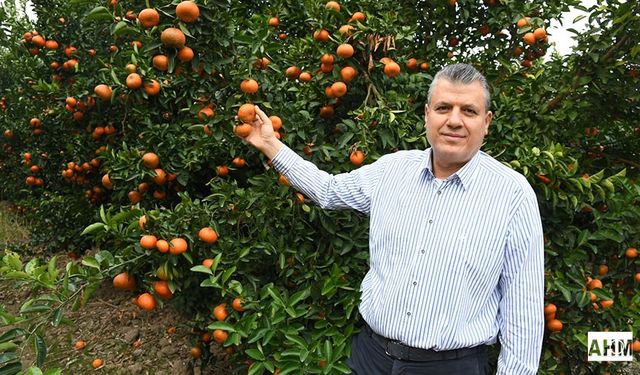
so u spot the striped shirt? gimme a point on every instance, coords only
(454, 263)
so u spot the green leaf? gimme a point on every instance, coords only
(202, 269)
(10, 368)
(40, 348)
(256, 368)
(91, 262)
(221, 325)
(33, 371)
(255, 354)
(98, 14)
(12, 334)
(92, 228)
(8, 347)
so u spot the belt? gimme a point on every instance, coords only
(402, 352)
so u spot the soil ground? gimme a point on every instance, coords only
(128, 339)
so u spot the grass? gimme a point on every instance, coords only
(13, 230)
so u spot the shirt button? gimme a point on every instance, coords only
(422, 251)
(439, 192)
(430, 221)
(408, 313)
(415, 283)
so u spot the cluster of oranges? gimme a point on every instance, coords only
(32, 180)
(536, 39)
(221, 314)
(77, 108)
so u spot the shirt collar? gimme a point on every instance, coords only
(465, 175)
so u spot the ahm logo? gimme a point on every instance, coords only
(610, 346)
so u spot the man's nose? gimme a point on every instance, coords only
(455, 117)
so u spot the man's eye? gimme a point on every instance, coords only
(470, 111)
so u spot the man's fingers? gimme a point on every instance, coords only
(262, 116)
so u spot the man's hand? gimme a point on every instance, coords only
(262, 135)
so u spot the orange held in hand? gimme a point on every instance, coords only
(247, 113)
(243, 130)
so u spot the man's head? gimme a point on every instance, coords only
(457, 116)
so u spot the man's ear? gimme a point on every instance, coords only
(488, 117)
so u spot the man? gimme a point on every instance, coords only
(456, 249)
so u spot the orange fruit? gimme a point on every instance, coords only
(357, 157)
(208, 235)
(220, 336)
(636, 346)
(162, 246)
(276, 122)
(134, 81)
(292, 72)
(274, 22)
(327, 58)
(106, 182)
(550, 309)
(222, 170)
(249, 86)
(522, 22)
(339, 89)
(603, 269)
(187, 11)
(332, 5)
(237, 304)
(206, 113)
(208, 262)
(554, 325)
(160, 62)
(124, 281)
(529, 38)
(162, 289)
(346, 30)
(146, 302)
(637, 277)
(79, 345)
(593, 297)
(326, 111)
(606, 303)
(195, 352)
(345, 50)
(186, 54)
(631, 253)
(134, 197)
(149, 18)
(238, 162)
(103, 91)
(148, 241)
(173, 37)
(152, 88)
(150, 160)
(392, 69)
(357, 16)
(321, 35)
(243, 130)
(178, 246)
(539, 33)
(299, 198)
(247, 113)
(220, 312)
(412, 63)
(283, 180)
(142, 221)
(161, 177)
(594, 284)
(304, 77)
(97, 363)
(38, 40)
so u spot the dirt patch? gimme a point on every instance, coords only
(127, 339)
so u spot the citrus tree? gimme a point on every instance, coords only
(118, 121)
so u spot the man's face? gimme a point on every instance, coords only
(456, 122)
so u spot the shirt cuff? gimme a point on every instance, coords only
(285, 159)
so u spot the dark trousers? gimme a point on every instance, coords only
(369, 358)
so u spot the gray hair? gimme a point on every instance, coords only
(463, 74)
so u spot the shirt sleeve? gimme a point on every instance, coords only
(521, 309)
(346, 190)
